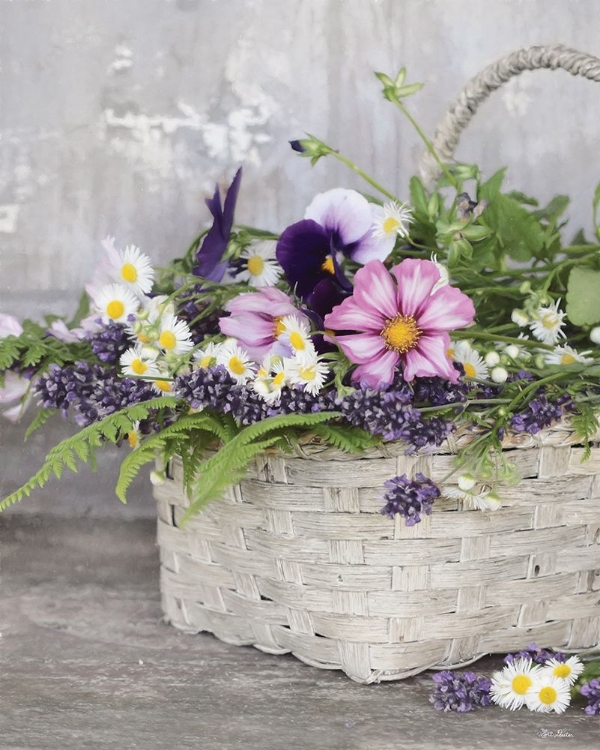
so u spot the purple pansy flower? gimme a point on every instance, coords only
(337, 224)
(209, 258)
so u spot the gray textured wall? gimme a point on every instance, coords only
(117, 116)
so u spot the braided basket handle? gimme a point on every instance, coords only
(478, 89)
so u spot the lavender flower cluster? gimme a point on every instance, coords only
(591, 691)
(460, 692)
(537, 655)
(409, 498)
(90, 391)
(109, 343)
(540, 412)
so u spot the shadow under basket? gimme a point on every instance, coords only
(298, 558)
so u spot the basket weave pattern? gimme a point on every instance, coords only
(298, 558)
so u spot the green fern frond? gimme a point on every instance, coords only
(40, 420)
(586, 424)
(350, 439)
(82, 445)
(174, 434)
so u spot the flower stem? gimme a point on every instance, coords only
(427, 142)
(364, 175)
(467, 334)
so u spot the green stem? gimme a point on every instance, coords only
(484, 336)
(364, 175)
(428, 145)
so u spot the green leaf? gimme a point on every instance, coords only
(518, 233)
(557, 206)
(583, 297)
(418, 197)
(526, 200)
(40, 420)
(490, 189)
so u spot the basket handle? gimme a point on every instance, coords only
(493, 76)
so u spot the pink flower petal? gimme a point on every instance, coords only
(251, 329)
(446, 310)
(416, 279)
(379, 373)
(374, 290)
(349, 316)
(344, 212)
(429, 359)
(361, 348)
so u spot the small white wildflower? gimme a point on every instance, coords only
(520, 318)
(566, 355)
(548, 323)
(492, 359)
(595, 335)
(499, 375)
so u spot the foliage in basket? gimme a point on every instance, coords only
(371, 319)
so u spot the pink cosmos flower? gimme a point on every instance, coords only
(407, 321)
(255, 319)
(9, 326)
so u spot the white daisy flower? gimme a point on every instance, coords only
(520, 318)
(492, 359)
(260, 267)
(175, 336)
(155, 307)
(499, 375)
(510, 686)
(271, 379)
(236, 361)
(207, 356)
(394, 220)
(134, 270)
(116, 303)
(568, 670)
(444, 276)
(310, 373)
(566, 355)
(516, 351)
(133, 437)
(296, 336)
(136, 361)
(548, 323)
(163, 386)
(548, 694)
(473, 499)
(471, 360)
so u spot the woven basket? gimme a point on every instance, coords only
(298, 558)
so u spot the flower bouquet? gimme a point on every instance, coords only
(393, 404)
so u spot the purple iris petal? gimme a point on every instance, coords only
(210, 264)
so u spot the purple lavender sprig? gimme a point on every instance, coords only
(109, 343)
(409, 498)
(591, 691)
(459, 692)
(537, 655)
(540, 412)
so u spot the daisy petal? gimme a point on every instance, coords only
(416, 279)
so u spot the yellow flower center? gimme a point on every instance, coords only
(163, 385)
(236, 366)
(547, 695)
(256, 265)
(390, 225)
(279, 327)
(297, 342)
(327, 265)
(550, 320)
(401, 333)
(567, 359)
(138, 366)
(115, 309)
(129, 273)
(206, 361)
(278, 379)
(521, 684)
(308, 373)
(143, 338)
(133, 439)
(561, 670)
(450, 353)
(469, 369)
(167, 340)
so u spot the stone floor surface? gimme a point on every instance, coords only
(87, 663)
